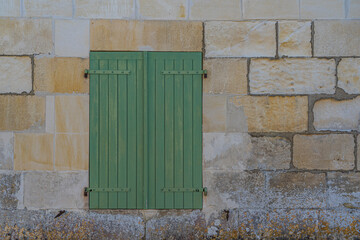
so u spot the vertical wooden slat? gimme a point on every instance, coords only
(145, 131)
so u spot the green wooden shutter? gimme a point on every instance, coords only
(145, 130)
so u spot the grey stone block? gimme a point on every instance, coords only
(6, 150)
(10, 190)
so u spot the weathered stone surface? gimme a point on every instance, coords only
(272, 114)
(19, 37)
(240, 151)
(10, 190)
(339, 224)
(21, 112)
(337, 38)
(240, 39)
(297, 190)
(6, 150)
(15, 74)
(358, 152)
(72, 114)
(292, 76)
(354, 9)
(294, 38)
(61, 190)
(48, 8)
(214, 113)
(322, 9)
(275, 9)
(72, 38)
(324, 152)
(162, 9)
(33, 151)
(10, 8)
(344, 188)
(105, 9)
(50, 114)
(225, 76)
(330, 114)
(61, 75)
(349, 75)
(146, 35)
(215, 10)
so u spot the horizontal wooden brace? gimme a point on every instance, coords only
(107, 189)
(126, 72)
(185, 190)
(184, 72)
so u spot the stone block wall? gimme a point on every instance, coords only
(281, 109)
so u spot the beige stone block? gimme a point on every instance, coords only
(240, 39)
(292, 76)
(105, 8)
(354, 9)
(273, 114)
(337, 38)
(349, 75)
(48, 8)
(322, 9)
(274, 9)
(61, 75)
(215, 9)
(33, 151)
(15, 74)
(294, 38)
(71, 152)
(10, 8)
(72, 114)
(120, 35)
(225, 75)
(21, 112)
(214, 113)
(162, 9)
(50, 114)
(324, 152)
(25, 36)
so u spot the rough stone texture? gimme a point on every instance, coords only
(214, 113)
(48, 8)
(292, 76)
(61, 75)
(119, 35)
(21, 112)
(61, 190)
(33, 151)
(215, 10)
(105, 9)
(297, 190)
(72, 38)
(10, 190)
(358, 152)
(19, 37)
(272, 114)
(240, 39)
(344, 188)
(324, 152)
(330, 114)
(10, 8)
(240, 151)
(6, 150)
(275, 9)
(294, 38)
(337, 38)
(15, 74)
(162, 9)
(225, 76)
(354, 9)
(322, 9)
(72, 152)
(72, 114)
(349, 75)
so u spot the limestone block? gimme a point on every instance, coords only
(55, 190)
(163, 9)
(61, 75)
(297, 190)
(10, 8)
(322, 9)
(10, 190)
(272, 114)
(15, 75)
(21, 112)
(50, 114)
(240, 39)
(354, 9)
(358, 152)
(275, 9)
(294, 38)
(324, 152)
(33, 151)
(215, 10)
(330, 114)
(72, 38)
(292, 76)
(337, 38)
(120, 35)
(343, 188)
(225, 75)
(6, 150)
(349, 75)
(105, 9)
(48, 8)
(25, 36)
(214, 113)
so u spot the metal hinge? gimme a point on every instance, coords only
(87, 72)
(86, 190)
(204, 190)
(202, 72)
